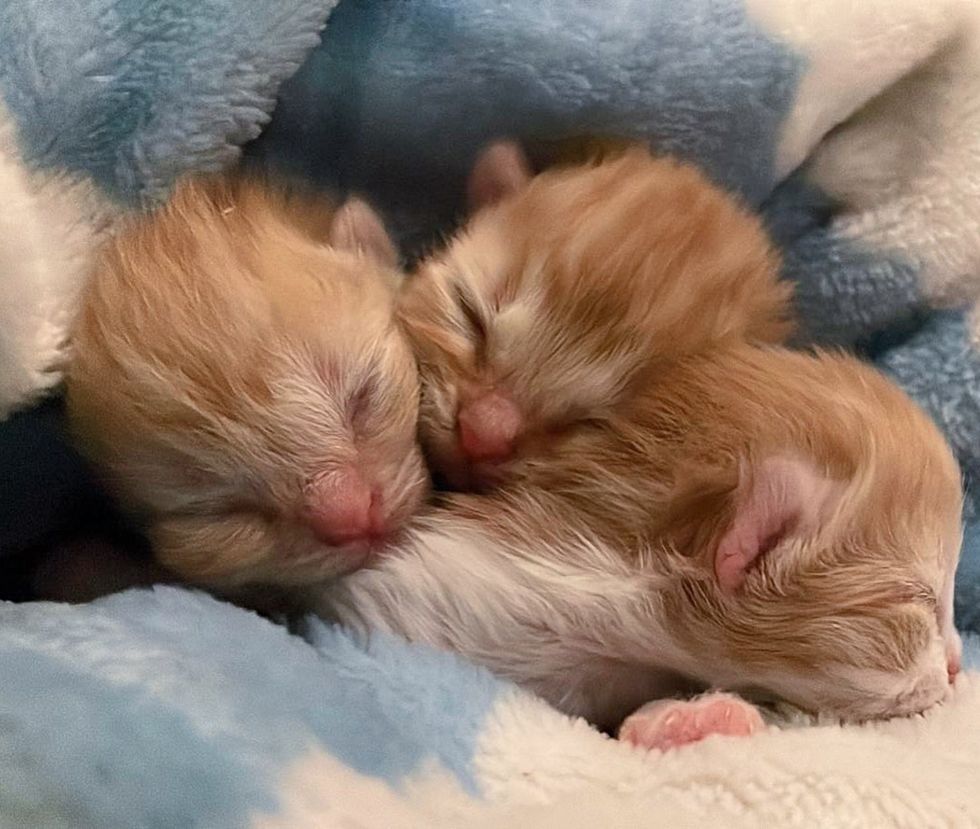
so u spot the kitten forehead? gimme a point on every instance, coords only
(235, 332)
(481, 256)
(533, 345)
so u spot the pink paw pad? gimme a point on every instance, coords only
(668, 724)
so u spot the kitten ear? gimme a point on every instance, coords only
(357, 227)
(500, 170)
(777, 499)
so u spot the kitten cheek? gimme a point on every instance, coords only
(209, 550)
(407, 487)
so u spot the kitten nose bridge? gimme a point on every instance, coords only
(489, 425)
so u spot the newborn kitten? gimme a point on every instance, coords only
(759, 520)
(239, 377)
(566, 292)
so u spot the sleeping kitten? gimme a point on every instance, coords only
(758, 520)
(559, 337)
(239, 377)
(566, 291)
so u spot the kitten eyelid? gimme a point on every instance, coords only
(360, 400)
(919, 595)
(474, 319)
(930, 599)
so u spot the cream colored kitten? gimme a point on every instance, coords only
(768, 522)
(564, 294)
(239, 378)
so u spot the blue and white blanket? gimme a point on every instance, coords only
(170, 709)
(855, 128)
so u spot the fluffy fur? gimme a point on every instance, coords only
(594, 579)
(567, 291)
(678, 503)
(238, 374)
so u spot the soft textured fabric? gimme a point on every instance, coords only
(168, 708)
(105, 102)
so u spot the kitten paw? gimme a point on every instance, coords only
(667, 724)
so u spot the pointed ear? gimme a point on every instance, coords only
(356, 227)
(500, 170)
(777, 499)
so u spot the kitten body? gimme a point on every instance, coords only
(238, 376)
(674, 501)
(758, 520)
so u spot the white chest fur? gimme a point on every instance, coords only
(574, 625)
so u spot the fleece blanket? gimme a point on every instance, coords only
(168, 708)
(855, 128)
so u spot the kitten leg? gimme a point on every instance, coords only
(667, 724)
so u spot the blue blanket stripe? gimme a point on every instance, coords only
(213, 703)
(442, 702)
(405, 90)
(134, 93)
(76, 750)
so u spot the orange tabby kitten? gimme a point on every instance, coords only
(239, 377)
(566, 291)
(674, 504)
(755, 519)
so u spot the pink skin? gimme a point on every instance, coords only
(781, 497)
(501, 170)
(342, 508)
(953, 666)
(489, 426)
(667, 724)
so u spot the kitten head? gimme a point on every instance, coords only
(239, 376)
(565, 291)
(803, 515)
(830, 592)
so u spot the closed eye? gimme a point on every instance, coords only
(472, 316)
(924, 595)
(576, 422)
(913, 593)
(360, 402)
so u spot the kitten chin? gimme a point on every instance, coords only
(239, 379)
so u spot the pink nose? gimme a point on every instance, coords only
(341, 507)
(488, 427)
